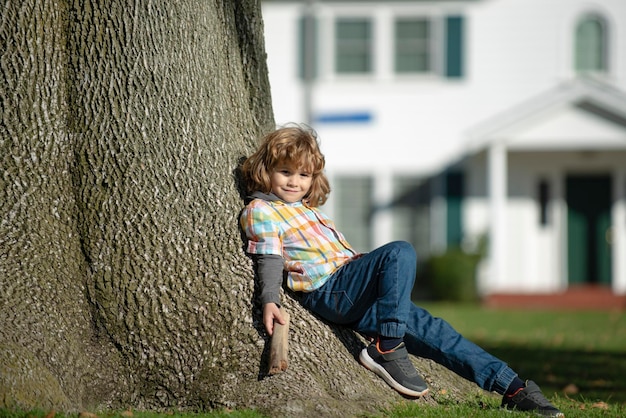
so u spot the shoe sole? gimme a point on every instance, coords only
(371, 365)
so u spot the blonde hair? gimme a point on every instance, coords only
(294, 146)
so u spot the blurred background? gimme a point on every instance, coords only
(491, 134)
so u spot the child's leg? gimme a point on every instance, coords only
(373, 295)
(434, 338)
(383, 277)
(431, 337)
(379, 282)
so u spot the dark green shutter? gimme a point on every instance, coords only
(454, 208)
(454, 46)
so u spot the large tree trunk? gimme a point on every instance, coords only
(123, 281)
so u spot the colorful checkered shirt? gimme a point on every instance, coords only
(311, 247)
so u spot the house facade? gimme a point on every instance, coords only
(453, 123)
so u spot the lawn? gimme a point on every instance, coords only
(581, 355)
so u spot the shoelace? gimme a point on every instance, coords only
(539, 399)
(406, 366)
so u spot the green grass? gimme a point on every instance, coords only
(578, 359)
(492, 410)
(578, 354)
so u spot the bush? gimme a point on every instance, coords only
(451, 276)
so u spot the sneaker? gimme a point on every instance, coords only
(531, 399)
(395, 368)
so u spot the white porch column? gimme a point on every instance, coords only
(497, 178)
(383, 27)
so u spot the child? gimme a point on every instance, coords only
(369, 293)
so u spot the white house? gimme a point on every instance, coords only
(444, 122)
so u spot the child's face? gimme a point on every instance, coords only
(291, 184)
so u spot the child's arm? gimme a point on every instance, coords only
(270, 273)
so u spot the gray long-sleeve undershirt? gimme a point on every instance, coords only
(269, 269)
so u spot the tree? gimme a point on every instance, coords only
(123, 280)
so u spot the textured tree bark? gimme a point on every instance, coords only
(122, 277)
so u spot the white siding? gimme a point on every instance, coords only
(515, 50)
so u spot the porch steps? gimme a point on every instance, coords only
(576, 298)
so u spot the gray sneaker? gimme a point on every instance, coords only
(395, 368)
(530, 399)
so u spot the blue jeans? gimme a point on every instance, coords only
(372, 295)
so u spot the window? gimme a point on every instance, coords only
(417, 49)
(419, 44)
(353, 49)
(354, 205)
(412, 45)
(590, 53)
(307, 47)
(411, 213)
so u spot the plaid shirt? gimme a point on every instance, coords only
(311, 247)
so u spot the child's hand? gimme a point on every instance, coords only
(271, 313)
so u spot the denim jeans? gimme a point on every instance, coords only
(372, 295)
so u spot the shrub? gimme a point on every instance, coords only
(451, 276)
